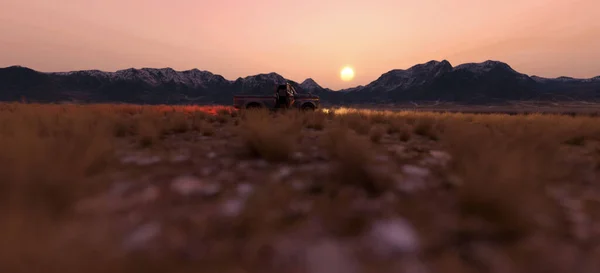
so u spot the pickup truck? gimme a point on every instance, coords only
(273, 102)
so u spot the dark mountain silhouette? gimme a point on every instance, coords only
(489, 81)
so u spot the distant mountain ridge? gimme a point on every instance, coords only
(488, 81)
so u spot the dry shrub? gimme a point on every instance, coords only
(45, 171)
(426, 127)
(122, 127)
(354, 163)
(314, 120)
(576, 141)
(376, 134)
(206, 129)
(504, 171)
(147, 132)
(359, 122)
(267, 137)
(400, 128)
(175, 123)
(379, 117)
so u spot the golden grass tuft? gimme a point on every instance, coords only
(272, 138)
(504, 170)
(53, 156)
(376, 133)
(354, 165)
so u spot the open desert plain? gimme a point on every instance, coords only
(270, 136)
(128, 188)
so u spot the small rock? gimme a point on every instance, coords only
(189, 185)
(397, 149)
(233, 207)
(211, 155)
(142, 236)
(245, 189)
(140, 159)
(282, 173)
(149, 160)
(243, 165)
(129, 159)
(415, 171)
(298, 156)
(441, 157)
(393, 236)
(148, 195)
(410, 185)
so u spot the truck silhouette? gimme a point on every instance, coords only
(284, 97)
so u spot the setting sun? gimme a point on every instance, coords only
(347, 73)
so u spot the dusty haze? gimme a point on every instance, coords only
(300, 39)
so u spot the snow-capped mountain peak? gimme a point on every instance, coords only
(416, 75)
(484, 67)
(152, 76)
(310, 84)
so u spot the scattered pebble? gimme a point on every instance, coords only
(412, 180)
(144, 161)
(441, 157)
(245, 189)
(243, 165)
(149, 194)
(397, 149)
(232, 207)
(140, 160)
(211, 155)
(142, 236)
(393, 236)
(189, 185)
(298, 156)
(415, 171)
(409, 184)
(282, 173)
(129, 159)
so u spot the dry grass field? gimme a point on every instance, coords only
(107, 188)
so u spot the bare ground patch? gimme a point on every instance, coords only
(143, 189)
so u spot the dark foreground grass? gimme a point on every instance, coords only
(482, 193)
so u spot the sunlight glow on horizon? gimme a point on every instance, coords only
(347, 73)
(301, 39)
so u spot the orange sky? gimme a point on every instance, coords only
(300, 39)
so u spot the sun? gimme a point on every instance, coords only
(347, 73)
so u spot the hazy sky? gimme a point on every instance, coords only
(301, 38)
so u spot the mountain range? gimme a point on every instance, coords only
(485, 82)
